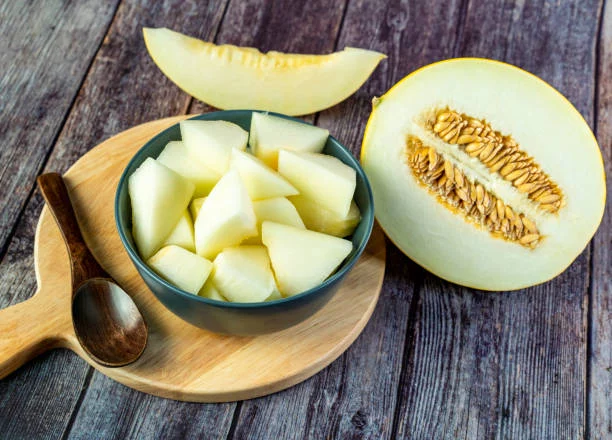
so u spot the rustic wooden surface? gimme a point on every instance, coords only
(436, 360)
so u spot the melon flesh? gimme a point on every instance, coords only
(317, 218)
(243, 274)
(225, 218)
(210, 291)
(194, 207)
(320, 177)
(516, 103)
(176, 157)
(302, 259)
(182, 234)
(211, 142)
(184, 269)
(269, 134)
(261, 181)
(230, 77)
(159, 197)
(278, 210)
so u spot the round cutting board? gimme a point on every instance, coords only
(181, 361)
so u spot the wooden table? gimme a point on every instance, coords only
(436, 360)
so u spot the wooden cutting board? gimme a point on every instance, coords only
(181, 361)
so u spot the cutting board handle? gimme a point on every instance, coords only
(27, 329)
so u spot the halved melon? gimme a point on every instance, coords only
(483, 174)
(230, 77)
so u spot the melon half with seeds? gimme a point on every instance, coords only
(484, 174)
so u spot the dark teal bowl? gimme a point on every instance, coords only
(241, 318)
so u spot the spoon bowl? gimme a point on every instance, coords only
(107, 323)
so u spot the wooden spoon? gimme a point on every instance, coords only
(107, 322)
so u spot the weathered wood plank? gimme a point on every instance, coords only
(599, 417)
(356, 395)
(509, 365)
(114, 411)
(123, 88)
(45, 50)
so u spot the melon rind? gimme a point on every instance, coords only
(514, 102)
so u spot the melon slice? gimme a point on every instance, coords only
(184, 269)
(182, 234)
(302, 259)
(230, 77)
(317, 218)
(211, 142)
(194, 207)
(278, 210)
(269, 134)
(225, 218)
(243, 274)
(159, 197)
(261, 181)
(210, 291)
(176, 157)
(483, 174)
(320, 177)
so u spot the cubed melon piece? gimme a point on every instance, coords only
(225, 218)
(261, 181)
(194, 207)
(269, 134)
(278, 210)
(176, 157)
(320, 177)
(243, 274)
(302, 259)
(320, 219)
(210, 291)
(212, 141)
(182, 234)
(182, 268)
(159, 197)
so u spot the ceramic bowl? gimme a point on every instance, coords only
(241, 318)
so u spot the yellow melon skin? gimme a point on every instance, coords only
(231, 77)
(517, 103)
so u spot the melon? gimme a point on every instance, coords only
(176, 157)
(302, 259)
(211, 142)
(182, 234)
(159, 197)
(182, 268)
(194, 207)
(261, 181)
(211, 292)
(320, 177)
(269, 134)
(278, 210)
(317, 218)
(483, 174)
(230, 77)
(226, 217)
(243, 274)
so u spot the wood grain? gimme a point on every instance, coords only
(508, 365)
(599, 416)
(39, 83)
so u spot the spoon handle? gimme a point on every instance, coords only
(84, 265)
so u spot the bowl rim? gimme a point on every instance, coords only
(336, 276)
